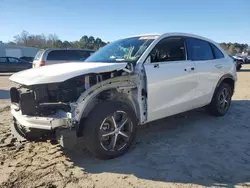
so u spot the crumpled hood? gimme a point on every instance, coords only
(61, 72)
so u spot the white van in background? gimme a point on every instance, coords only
(60, 55)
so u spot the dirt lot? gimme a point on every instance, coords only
(188, 150)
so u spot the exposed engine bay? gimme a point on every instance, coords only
(46, 99)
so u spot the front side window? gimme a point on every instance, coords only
(124, 50)
(13, 60)
(199, 50)
(169, 49)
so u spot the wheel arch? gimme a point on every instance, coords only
(111, 94)
(124, 91)
(227, 78)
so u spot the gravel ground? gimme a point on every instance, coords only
(188, 150)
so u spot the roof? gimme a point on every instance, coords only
(145, 35)
(68, 49)
(186, 35)
(16, 46)
(171, 34)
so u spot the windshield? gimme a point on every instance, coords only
(124, 50)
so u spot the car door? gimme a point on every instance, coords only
(208, 60)
(13, 64)
(171, 82)
(16, 64)
(4, 64)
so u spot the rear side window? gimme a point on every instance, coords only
(217, 53)
(69, 55)
(39, 54)
(199, 50)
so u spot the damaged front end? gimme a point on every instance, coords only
(53, 105)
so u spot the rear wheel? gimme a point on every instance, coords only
(110, 129)
(221, 100)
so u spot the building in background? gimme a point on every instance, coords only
(17, 51)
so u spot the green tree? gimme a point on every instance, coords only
(53, 41)
(66, 44)
(11, 43)
(58, 44)
(98, 43)
(83, 43)
(234, 48)
(91, 42)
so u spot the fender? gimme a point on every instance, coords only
(119, 83)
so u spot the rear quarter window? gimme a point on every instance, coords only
(199, 50)
(217, 53)
(82, 55)
(3, 60)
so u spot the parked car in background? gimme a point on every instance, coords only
(127, 83)
(55, 56)
(238, 62)
(247, 59)
(29, 59)
(243, 57)
(13, 64)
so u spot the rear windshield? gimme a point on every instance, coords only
(39, 54)
(69, 55)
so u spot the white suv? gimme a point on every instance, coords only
(127, 83)
(60, 55)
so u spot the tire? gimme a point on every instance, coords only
(238, 67)
(94, 134)
(216, 106)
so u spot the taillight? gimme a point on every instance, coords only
(42, 63)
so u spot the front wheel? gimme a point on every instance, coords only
(110, 129)
(221, 101)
